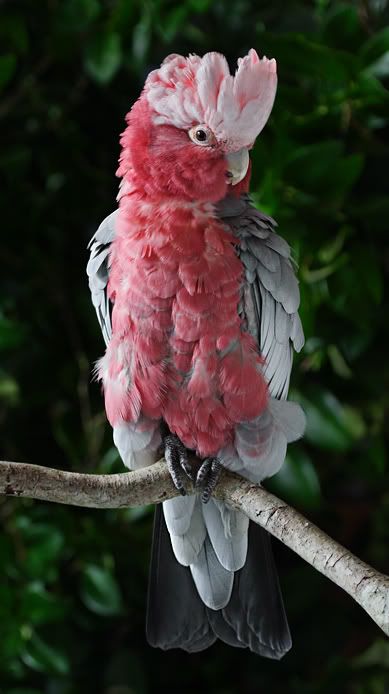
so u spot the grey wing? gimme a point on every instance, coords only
(270, 293)
(98, 272)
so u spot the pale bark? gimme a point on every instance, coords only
(367, 586)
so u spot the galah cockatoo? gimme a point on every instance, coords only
(197, 300)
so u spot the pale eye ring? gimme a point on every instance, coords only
(202, 135)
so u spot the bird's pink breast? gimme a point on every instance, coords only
(178, 350)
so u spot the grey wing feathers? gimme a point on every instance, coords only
(270, 297)
(97, 271)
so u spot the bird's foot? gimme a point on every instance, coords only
(176, 457)
(207, 477)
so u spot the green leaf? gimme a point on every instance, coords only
(9, 389)
(173, 22)
(200, 5)
(322, 168)
(12, 333)
(333, 246)
(76, 15)
(376, 46)
(39, 606)
(299, 56)
(330, 425)
(311, 166)
(376, 654)
(141, 38)
(7, 68)
(297, 481)
(380, 69)
(338, 362)
(13, 33)
(347, 172)
(43, 657)
(103, 57)
(369, 91)
(43, 544)
(376, 456)
(100, 592)
(343, 28)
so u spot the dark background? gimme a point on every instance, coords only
(73, 582)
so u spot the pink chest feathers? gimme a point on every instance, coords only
(177, 349)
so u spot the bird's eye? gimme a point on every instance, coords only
(202, 135)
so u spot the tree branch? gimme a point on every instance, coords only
(152, 485)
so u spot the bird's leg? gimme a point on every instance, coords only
(208, 477)
(176, 457)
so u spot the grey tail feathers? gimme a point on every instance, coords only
(254, 617)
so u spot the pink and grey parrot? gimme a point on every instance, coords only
(198, 303)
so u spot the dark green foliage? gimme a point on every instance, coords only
(72, 593)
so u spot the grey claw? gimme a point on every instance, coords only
(176, 457)
(208, 477)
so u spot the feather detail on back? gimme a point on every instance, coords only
(270, 295)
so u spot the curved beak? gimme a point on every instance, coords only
(237, 165)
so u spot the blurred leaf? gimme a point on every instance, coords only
(338, 362)
(173, 22)
(39, 606)
(297, 481)
(13, 32)
(132, 515)
(380, 69)
(375, 47)
(332, 248)
(311, 166)
(375, 458)
(377, 654)
(100, 592)
(41, 656)
(43, 543)
(103, 57)
(321, 168)
(110, 462)
(297, 55)
(330, 425)
(9, 389)
(7, 68)
(369, 91)
(12, 333)
(200, 5)
(141, 39)
(342, 27)
(76, 15)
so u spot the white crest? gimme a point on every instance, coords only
(187, 91)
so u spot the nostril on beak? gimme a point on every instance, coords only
(229, 174)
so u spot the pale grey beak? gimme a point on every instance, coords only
(237, 165)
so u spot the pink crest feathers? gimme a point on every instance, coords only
(186, 91)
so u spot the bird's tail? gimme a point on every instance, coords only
(253, 616)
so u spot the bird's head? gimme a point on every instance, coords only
(190, 132)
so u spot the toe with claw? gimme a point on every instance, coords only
(208, 477)
(176, 457)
